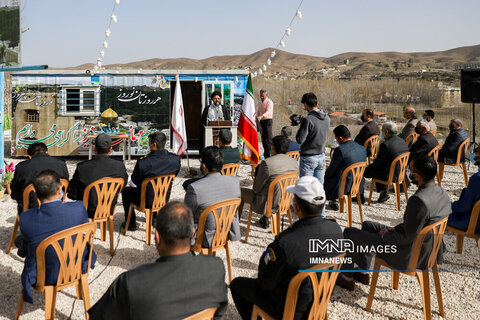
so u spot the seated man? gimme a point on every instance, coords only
(462, 208)
(38, 224)
(409, 127)
(426, 141)
(293, 145)
(179, 284)
(211, 189)
(369, 129)
(158, 162)
(429, 115)
(287, 255)
(230, 155)
(448, 152)
(92, 170)
(26, 171)
(392, 147)
(428, 205)
(269, 169)
(347, 153)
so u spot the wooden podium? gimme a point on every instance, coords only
(212, 131)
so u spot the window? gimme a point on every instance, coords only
(32, 115)
(83, 101)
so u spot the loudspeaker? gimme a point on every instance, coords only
(470, 85)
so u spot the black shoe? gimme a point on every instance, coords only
(345, 282)
(363, 278)
(131, 226)
(264, 222)
(22, 247)
(332, 205)
(383, 197)
(362, 199)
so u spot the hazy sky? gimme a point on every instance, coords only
(67, 33)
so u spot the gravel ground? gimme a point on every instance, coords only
(460, 290)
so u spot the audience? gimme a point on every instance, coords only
(176, 286)
(426, 141)
(269, 169)
(26, 171)
(392, 147)
(429, 115)
(462, 208)
(368, 130)
(428, 205)
(409, 127)
(38, 224)
(158, 162)
(347, 153)
(293, 145)
(448, 152)
(230, 155)
(89, 171)
(288, 254)
(210, 189)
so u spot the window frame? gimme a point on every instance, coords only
(82, 108)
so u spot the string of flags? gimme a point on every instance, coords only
(281, 43)
(108, 32)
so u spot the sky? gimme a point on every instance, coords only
(65, 33)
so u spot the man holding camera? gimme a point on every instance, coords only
(312, 137)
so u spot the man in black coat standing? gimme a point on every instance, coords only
(426, 141)
(26, 171)
(392, 147)
(178, 285)
(368, 130)
(92, 170)
(158, 162)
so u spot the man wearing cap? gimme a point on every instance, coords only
(215, 111)
(288, 254)
(100, 166)
(230, 155)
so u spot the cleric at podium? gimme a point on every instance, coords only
(215, 111)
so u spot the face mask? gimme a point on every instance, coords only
(425, 117)
(451, 127)
(413, 179)
(363, 118)
(417, 130)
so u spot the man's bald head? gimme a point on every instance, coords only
(409, 113)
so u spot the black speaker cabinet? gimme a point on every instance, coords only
(470, 85)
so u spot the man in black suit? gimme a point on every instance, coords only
(92, 170)
(392, 147)
(426, 141)
(158, 162)
(428, 205)
(215, 111)
(347, 153)
(288, 254)
(448, 152)
(179, 284)
(369, 129)
(230, 155)
(26, 171)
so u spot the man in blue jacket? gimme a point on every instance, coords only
(347, 153)
(462, 208)
(39, 223)
(448, 153)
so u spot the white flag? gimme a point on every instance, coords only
(179, 134)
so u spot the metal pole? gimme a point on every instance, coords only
(2, 120)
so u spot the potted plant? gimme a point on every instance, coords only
(9, 172)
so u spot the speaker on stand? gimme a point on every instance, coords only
(470, 93)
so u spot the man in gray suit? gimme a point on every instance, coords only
(266, 172)
(210, 189)
(411, 116)
(428, 205)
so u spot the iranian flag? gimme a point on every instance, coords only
(247, 128)
(179, 134)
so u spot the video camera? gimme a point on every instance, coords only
(295, 119)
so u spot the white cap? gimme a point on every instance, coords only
(308, 188)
